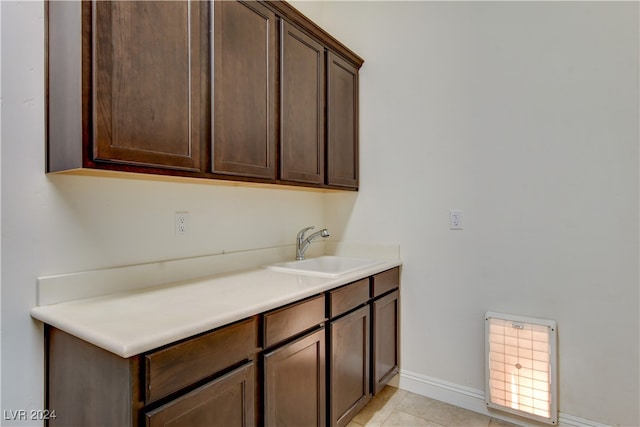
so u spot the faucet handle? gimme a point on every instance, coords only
(304, 230)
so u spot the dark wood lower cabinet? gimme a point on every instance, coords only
(207, 380)
(178, 366)
(384, 356)
(314, 362)
(224, 402)
(349, 379)
(87, 385)
(294, 383)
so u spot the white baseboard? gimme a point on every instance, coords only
(473, 400)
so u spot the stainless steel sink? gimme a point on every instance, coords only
(325, 266)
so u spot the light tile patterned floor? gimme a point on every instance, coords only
(393, 407)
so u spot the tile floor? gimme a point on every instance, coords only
(395, 407)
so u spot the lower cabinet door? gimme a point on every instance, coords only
(226, 402)
(385, 340)
(349, 366)
(294, 383)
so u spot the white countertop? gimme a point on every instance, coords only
(132, 322)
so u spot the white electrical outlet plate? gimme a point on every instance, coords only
(455, 219)
(181, 223)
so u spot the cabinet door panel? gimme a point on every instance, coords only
(349, 379)
(147, 65)
(294, 389)
(226, 401)
(342, 123)
(302, 107)
(245, 50)
(385, 340)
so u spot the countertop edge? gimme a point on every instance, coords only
(58, 315)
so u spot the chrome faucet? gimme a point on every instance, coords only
(302, 242)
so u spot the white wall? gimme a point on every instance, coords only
(525, 116)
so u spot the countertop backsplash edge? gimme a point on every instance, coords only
(59, 288)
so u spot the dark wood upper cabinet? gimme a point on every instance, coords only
(147, 66)
(236, 90)
(302, 74)
(342, 122)
(124, 84)
(245, 80)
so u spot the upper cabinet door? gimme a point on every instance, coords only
(302, 103)
(342, 123)
(148, 61)
(245, 49)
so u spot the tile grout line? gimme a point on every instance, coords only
(392, 409)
